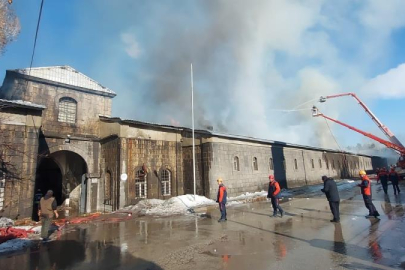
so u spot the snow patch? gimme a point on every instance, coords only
(5, 222)
(176, 205)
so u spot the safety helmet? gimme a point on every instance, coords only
(219, 180)
(362, 172)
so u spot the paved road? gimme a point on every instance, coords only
(250, 239)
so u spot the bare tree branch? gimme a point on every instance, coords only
(9, 25)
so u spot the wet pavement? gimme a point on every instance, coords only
(303, 239)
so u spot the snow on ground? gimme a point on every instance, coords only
(15, 244)
(176, 205)
(5, 222)
(184, 204)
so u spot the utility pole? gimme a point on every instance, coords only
(192, 121)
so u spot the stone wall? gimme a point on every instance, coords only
(156, 155)
(292, 167)
(18, 159)
(89, 105)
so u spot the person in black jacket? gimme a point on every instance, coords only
(332, 194)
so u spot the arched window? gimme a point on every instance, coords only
(140, 184)
(108, 189)
(312, 163)
(255, 165)
(295, 164)
(320, 163)
(271, 164)
(166, 178)
(236, 164)
(67, 110)
(2, 188)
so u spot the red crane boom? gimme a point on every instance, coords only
(383, 128)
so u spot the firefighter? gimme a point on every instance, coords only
(274, 194)
(366, 192)
(383, 176)
(221, 199)
(394, 178)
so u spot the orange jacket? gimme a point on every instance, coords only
(274, 189)
(365, 185)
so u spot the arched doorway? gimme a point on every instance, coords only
(64, 172)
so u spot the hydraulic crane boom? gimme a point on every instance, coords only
(397, 148)
(383, 128)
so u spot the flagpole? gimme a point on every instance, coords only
(192, 121)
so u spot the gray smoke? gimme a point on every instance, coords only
(251, 60)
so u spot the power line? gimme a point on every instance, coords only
(36, 36)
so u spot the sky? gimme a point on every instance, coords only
(253, 61)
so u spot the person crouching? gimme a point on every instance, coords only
(221, 199)
(274, 194)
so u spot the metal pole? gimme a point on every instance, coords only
(192, 116)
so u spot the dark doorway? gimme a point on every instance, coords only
(49, 177)
(280, 166)
(64, 172)
(111, 193)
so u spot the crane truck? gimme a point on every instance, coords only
(392, 143)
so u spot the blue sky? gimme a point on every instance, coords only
(251, 60)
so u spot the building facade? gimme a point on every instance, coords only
(58, 133)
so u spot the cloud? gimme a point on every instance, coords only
(131, 45)
(389, 85)
(383, 15)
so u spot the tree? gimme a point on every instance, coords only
(9, 24)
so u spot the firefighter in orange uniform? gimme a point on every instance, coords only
(221, 199)
(274, 195)
(366, 192)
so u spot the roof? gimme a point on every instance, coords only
(223, 135)
(65, 75)
(21, 104)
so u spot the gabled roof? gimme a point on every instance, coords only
(65, 75)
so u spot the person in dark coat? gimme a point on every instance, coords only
(221, 199)
(383, 176)
(274, 195)
(394, 178)
(332, 194)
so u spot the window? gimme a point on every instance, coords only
(236, 164)
(2, 188)
(339, 165)
(284, 165)
(333, 164)
(271, 164)
(320, 163)
(327, 164)
(255, 165)
(166, 178)
(295, 164)
(67, 110)
(140, 184)
(312, 163)
(107, 189)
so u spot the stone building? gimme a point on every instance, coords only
(57, 133)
